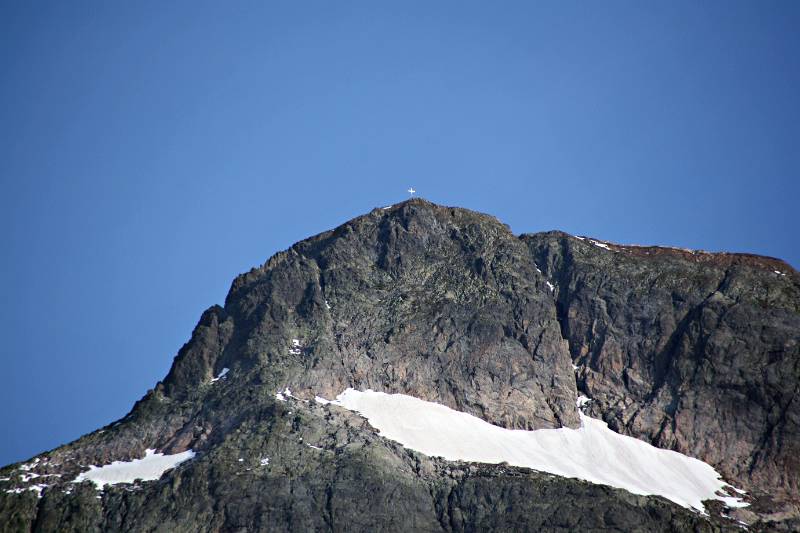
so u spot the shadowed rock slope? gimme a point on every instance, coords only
(690, 351)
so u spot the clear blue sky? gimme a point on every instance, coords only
(151, 151)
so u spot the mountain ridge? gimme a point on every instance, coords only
(450, 306)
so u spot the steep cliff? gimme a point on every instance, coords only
(689, 351)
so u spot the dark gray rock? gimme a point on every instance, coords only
(689, 350)
(694, 352)
(351, 480)
(444, 303)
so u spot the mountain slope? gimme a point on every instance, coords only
(691, 351)
(447, 305)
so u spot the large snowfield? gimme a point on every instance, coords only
(149, 468)
(593, 452)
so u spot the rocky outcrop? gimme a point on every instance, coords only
(326, 470)
(442, 303)
(693, 352)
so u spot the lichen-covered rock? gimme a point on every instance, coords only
(694, 352)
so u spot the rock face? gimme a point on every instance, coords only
(690, 351)
(443, 303)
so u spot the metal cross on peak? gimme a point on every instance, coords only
(411, 191)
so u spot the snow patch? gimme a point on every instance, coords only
(221, 375)
(593, 452)
(286, 394)
(28, 466)
(264, 461)
(149, 468)
(550, 286)
(31, 475)
(296, 348)
(732, 501)
(600, 244)
(36, 488)
(327, 304)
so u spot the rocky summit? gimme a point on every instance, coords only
(546, 334)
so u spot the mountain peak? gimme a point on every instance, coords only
(448, 307)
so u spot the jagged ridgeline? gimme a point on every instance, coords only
(539, 382)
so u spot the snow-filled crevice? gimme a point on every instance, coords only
(593, 452)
